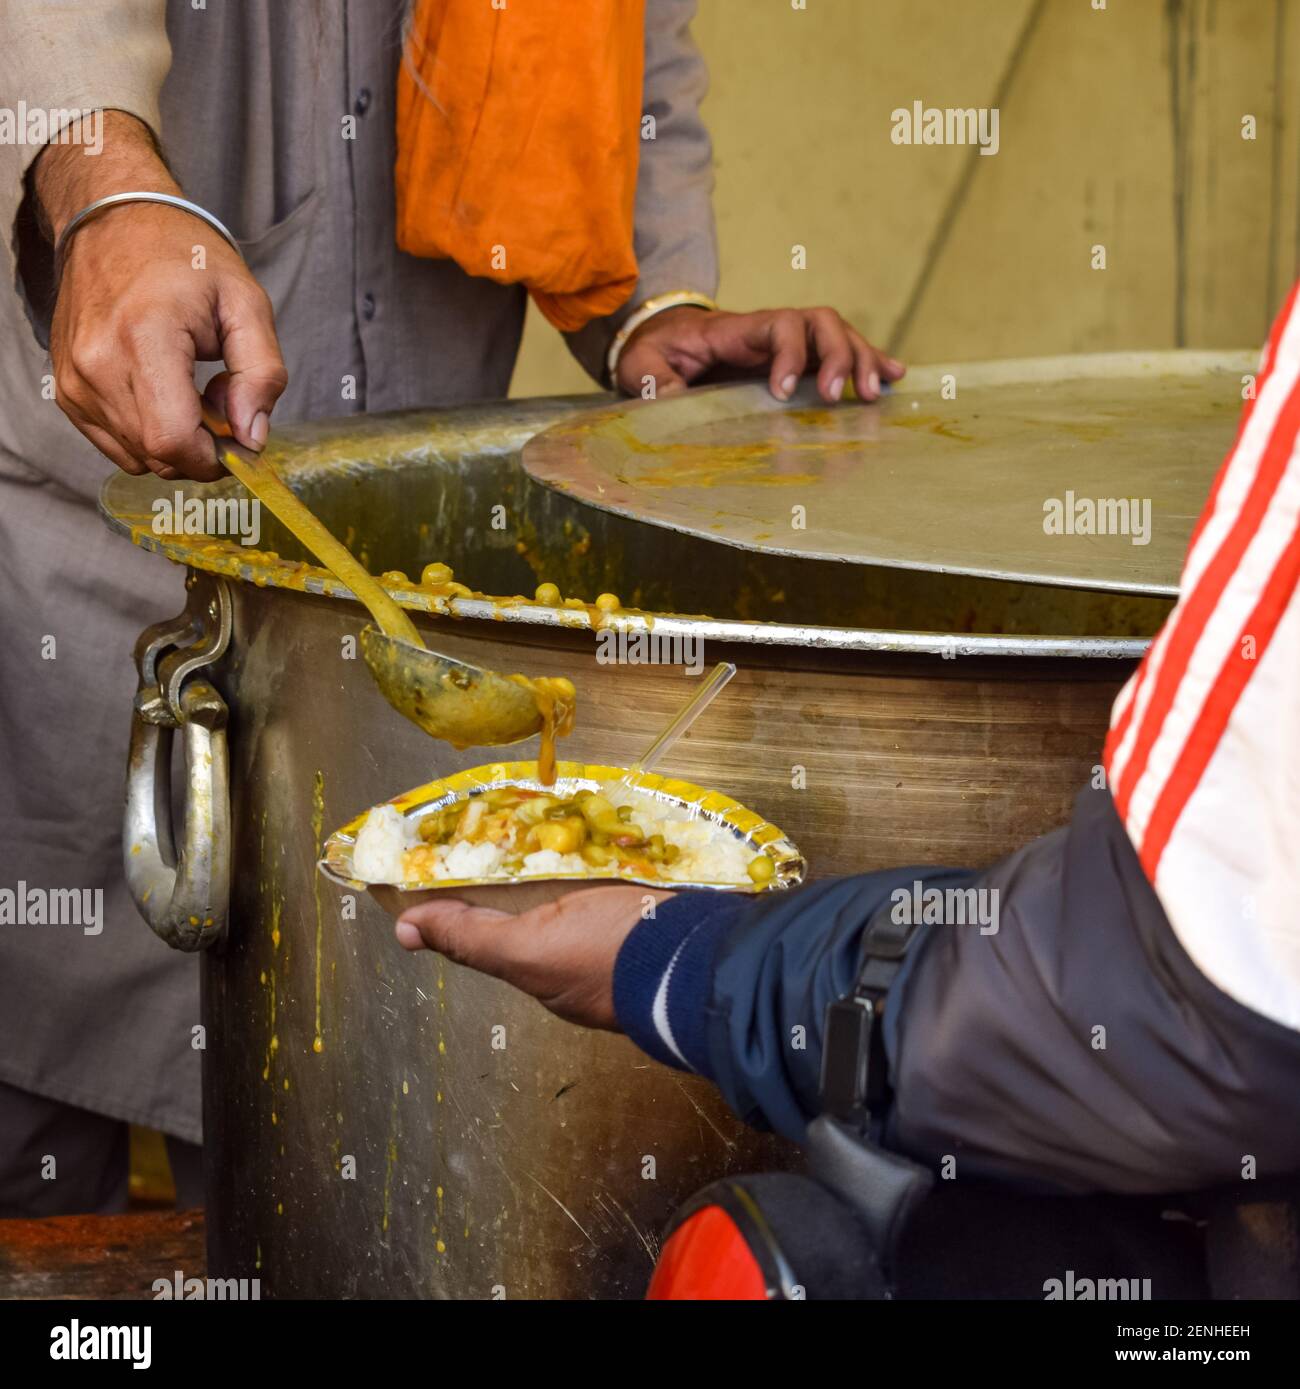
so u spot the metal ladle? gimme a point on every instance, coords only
(449, 699)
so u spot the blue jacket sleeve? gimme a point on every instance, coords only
(736, 987)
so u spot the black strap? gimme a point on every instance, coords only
(855, 1070)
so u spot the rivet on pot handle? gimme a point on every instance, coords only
(184, 895)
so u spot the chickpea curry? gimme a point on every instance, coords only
(531, 831)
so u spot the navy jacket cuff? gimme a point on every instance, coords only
(663, 977)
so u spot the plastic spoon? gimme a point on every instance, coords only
(686, 716)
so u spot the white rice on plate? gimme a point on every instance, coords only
(709, 853)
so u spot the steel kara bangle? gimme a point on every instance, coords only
(113, 199)
(645, 311)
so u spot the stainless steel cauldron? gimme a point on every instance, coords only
(385, 1125)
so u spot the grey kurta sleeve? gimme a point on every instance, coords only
(69, 56)
(676, 244)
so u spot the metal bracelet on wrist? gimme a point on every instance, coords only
(113, 199)
(643, 313)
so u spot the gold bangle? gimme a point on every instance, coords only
(645, 311)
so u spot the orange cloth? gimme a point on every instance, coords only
(518, 130)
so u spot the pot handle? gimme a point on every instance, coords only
(185, 895)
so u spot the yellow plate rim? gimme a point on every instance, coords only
(791, 866)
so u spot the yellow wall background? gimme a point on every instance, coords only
(1119, 126)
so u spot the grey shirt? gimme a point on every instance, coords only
(249, 101)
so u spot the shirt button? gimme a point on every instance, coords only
(368, 306)
(362, 103)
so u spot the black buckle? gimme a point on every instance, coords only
(855, 1070)
(849, 1039)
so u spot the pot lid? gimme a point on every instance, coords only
(1086, 471)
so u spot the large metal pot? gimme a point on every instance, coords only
(378, 1124)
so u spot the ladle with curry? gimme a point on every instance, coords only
(449, 699)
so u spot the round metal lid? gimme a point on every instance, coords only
(1086, 471)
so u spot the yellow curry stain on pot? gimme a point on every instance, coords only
(741, 465)
(262, 568)
(273, 1044)
(932, 423)
(734, 464)
(318, 826)
(815, 417)
(388, 1168)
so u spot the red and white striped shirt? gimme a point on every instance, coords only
(1203, 755)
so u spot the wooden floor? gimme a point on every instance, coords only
(99, 1256)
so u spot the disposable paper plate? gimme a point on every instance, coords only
(523, 893)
